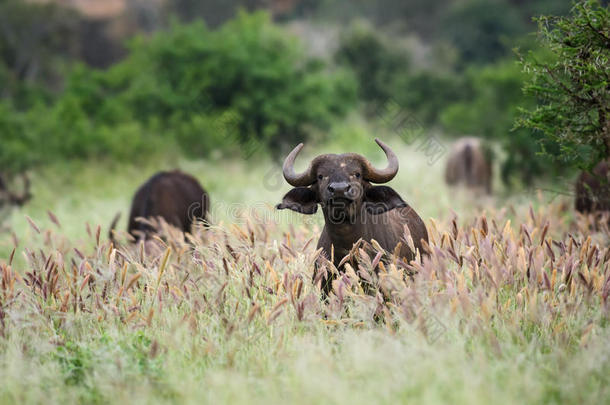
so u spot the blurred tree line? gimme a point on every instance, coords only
(477, 92)
(246, 82)
(481, 90)
(72, 86)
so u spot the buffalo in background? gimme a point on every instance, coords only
(175, 197)
(9, 197)
(469, 164)
(593, 189)
(353, 208)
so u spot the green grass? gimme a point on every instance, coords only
(234, 318)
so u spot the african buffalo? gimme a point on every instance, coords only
(176, 197)
(469, 164)
(353, 208)
(593, 189)
(10, 197)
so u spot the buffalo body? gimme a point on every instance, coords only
(593, 189)
(469, 164)
(175, 197)
(354, 209)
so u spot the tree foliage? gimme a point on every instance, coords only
(573, 85)
(376, 63)
(36, 40)
(245, 85)
(213, 12)
(481, 29)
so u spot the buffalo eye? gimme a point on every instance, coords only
(357, 175)
(320, 177)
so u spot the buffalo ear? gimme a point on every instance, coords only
(300, 199)
(380, 199)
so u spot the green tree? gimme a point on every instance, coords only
(427, 93)
(377, 65)
(244, 87)
(573, 87)
(249, 68)
(36, 41)
(482, 30)
(213, 12)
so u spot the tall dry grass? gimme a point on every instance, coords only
(238, 302)
(510, 305)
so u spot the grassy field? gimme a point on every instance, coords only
(510, 307)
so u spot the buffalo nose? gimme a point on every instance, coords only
(339, 188)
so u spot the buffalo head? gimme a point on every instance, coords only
(342, 185)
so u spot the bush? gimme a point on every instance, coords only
(16, 153)
(427, 93)
(182, 86)
(481, 29)
(384, 73)
(377, 65)
(37, 40)
(249, 67)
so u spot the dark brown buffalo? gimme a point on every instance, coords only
(468, 164)
(176, 197)
(593, 189)
(353, 207)
(8, 197)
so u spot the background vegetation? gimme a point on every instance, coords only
(202, 90)
(249, 81)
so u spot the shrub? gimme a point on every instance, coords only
(427, 93)
(15, 152)
(37, 41)
(178, 79)
(377, 65)
(480, 29)
(181, 86)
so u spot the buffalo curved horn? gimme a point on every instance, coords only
(382, 175)
(297, 179)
